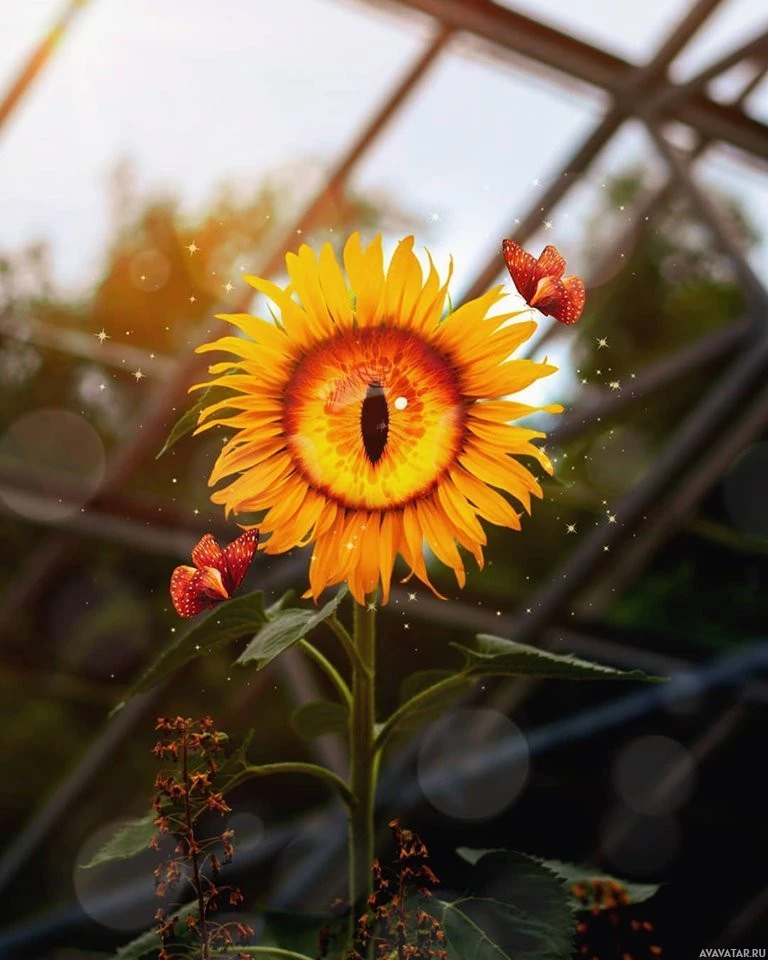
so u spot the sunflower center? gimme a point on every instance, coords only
(373, 417)
(374, 421)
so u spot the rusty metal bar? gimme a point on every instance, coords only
(38, 59)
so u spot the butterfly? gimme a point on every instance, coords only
(541, 282)
(216, 574)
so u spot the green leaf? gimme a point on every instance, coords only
(429, 706)
(299, 932)
(284, 629)
(572, 874)
(148, 944)
(319, 717)
(188, 420)
(499, 657)
(226, 622)
(129, 840)
(517, 909)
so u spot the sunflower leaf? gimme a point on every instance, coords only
(572, 874)
(130, 839)
(496, 656)
(188, 420)
(319, 717)
(516, 909)
(226, 622)
(431, 696)
(284, 629)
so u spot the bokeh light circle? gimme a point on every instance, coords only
(150, 270)
(119, 894)
(62, 459)
(654, 775)
(473, 763)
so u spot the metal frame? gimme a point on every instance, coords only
(681, 475)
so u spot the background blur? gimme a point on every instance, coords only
(152, 152)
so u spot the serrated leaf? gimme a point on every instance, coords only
(188, 420)
(128, 841)
(319, 717)
(572, 873)
(226, 622)
(517, 909)
(497, 656)
(148, 944)
(284, 629)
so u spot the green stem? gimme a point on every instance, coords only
(336, 679)
(346, 641)
(363, 762)
(416, 703)
(311, 769)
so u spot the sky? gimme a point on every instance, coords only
(197, 92)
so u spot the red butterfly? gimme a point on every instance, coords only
(541, 282)
(216, 574)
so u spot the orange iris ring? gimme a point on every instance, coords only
(426, 417)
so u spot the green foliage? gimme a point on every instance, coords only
(516, 909)
(284, 629)
(431, 696)
(148, 944)
(188, 420)
(318, 717)
(495, 656)
(572, 874)
(226, 622)
(131, 839)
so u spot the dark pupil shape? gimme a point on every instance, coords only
(374, 421)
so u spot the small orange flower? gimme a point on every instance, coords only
(541, 282)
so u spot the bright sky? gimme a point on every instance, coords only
(200, 91)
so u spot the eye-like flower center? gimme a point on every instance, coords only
(374, 417)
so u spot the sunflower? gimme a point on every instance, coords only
(365, 423)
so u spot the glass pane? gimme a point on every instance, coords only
(193, 93)
(734, 22)
(471, 150)
(631, 29)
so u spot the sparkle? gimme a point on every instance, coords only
(614, 385)
(611, 518)
(536, 182)
(606, 548)
(411, 596)
(138, 375)
(192, 247)
(434, 217)
(407, 626)
(349, 545)
(228, 287)
(371, 607)
(548, 224)
(602, 342)
(102, 335)
(570, 528)
(192, 299)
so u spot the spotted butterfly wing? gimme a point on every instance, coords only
(188, 592)
(216, 574)
(238, 556)
(523, 268)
